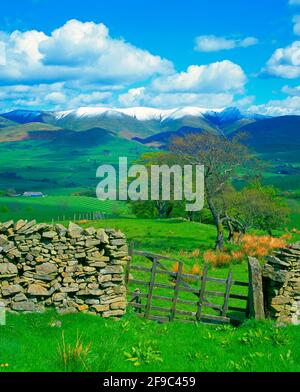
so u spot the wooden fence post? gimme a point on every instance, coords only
(137, 300)
(151, 286)
(201, 293)
(255, 295)
(130, 253)
(227, 294)
(176, 291)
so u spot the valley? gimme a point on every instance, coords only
(57, 153)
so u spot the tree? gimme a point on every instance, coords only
(152, 209)
(256, 206)
(227, 205)
(156, 208)
(223, 159)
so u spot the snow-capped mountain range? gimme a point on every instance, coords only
(151, 126)
(138, 113)
(138, 122)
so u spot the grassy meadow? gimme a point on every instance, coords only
(64, 165)
(56, 208)
(82, 342)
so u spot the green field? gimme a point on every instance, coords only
(32, 342)
(56, 208)
(63, 165)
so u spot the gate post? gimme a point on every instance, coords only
(151, 287)
(130, 254)
(255, 295)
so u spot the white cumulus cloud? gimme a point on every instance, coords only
(279, 107)
(221, 76)
(285, 62)
(2, 53)
(81, 64)
(143, 96)
(54, 96)
(76, 51)
(291, 90)
(212, 43)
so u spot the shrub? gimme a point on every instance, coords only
(237, 255)
(195, 253)
(196, 270)
(217, 258)
(189, 255)
(251, 245)
(210, 257)
(260, 246)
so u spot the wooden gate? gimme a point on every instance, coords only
(157, 299)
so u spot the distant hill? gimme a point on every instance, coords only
(17, 132)
(162, 139)
(231, 127)
(119, 123)
(140, 122)
(277, 134)
(60, 161)
(4, 122)
(24, 116)
(152, 126)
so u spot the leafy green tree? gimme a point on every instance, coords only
(157, 208)
(257, 206)
(223, 159)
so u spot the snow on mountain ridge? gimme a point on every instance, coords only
(140, 113)
(215, 116)
(146, 113)
(190, 111)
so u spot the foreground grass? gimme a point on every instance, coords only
(32, 342)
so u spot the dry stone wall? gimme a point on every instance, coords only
(281, 285)
(72, 269)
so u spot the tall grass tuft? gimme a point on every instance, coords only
(196, 270)
(175, 268)
(74, 357)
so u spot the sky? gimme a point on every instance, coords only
(66, 54)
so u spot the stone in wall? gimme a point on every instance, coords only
(281, 283)
(72, 269)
